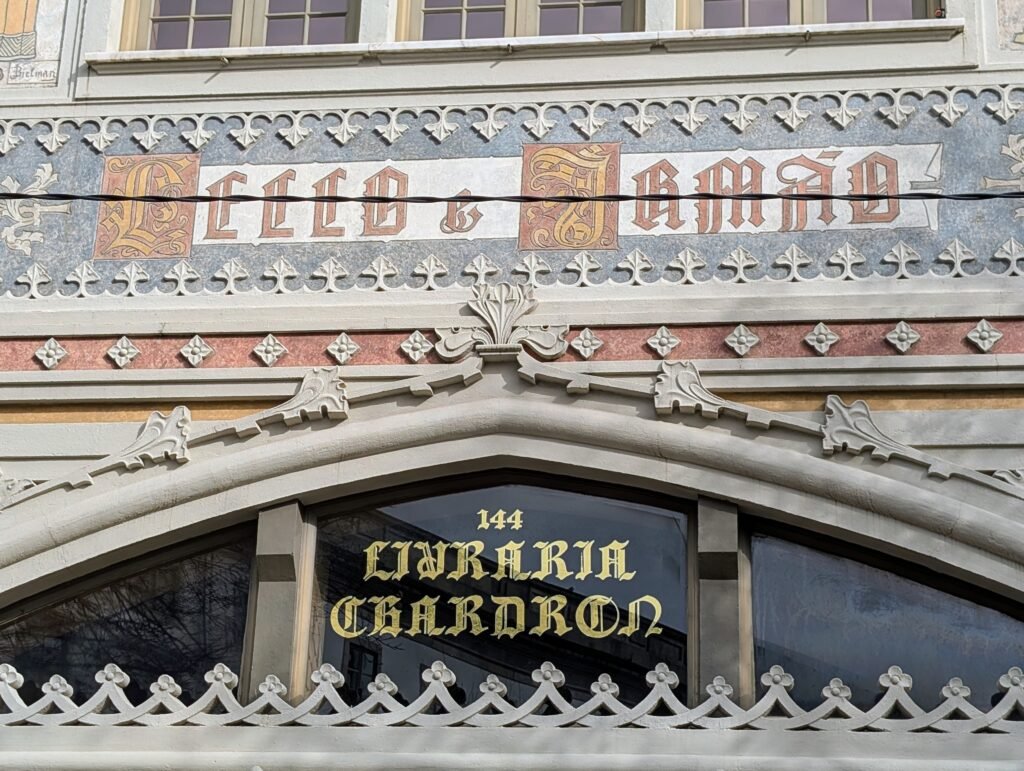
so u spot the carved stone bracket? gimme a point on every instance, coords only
(501, 307)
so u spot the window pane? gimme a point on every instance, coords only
(179, 619)
(284, 32)
(442, 26)
(485, 24)
(509, 569)
(169, 35)
(893, 10)
(723, 13)
(847, 10)
(768, 13)
(213, 7)
(602, 18)
(328, 6)
(559, 21)
(820, 616)
(286, 6)
(325, 30)
(172, 8)
(442, 3)
(211, 33)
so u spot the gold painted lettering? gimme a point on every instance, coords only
(551, 617)
(586, 558)
(372, 556)
(613, 562)
(633, 626)
(510, 561)
(402, 568)
(467, 615)
(503, 627)
(424, 617)
(387, 618)
(590, 616)
(430, 565)
(468, 554)
(551, 559)
(344, 617)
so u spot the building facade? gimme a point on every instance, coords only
(461, 383)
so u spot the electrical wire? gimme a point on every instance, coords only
(558, 199)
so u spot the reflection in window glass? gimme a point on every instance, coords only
(591, 584)
(745, 13)
(179, 619)
(574, 17)
(178, 24)
(458, 19)
(820, 616)
(307, 22)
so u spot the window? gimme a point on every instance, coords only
(821, 616)
(497, 581)
(470, 19)
(198, 24)
(718, 14)
(179, 618)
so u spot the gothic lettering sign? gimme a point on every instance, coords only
(499, 578)
(881, 143)
(30, 39)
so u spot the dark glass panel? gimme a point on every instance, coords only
(328, 6)
(325, 30)
(723, 13)
(583, 524)
(481, 24)
(179, 619)
(285, 31)
(442, 26)
(892, 10)
(768, 13)
(847, 10)
(213, 7)
(169, 35)
(211, 33)
(172, 8)
(600, 19)
(821, 616)
(442, 3)
(559, 21)
(286, 6)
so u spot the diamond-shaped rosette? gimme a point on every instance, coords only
(821, 339)
(984, 336)
(196, 351)
(586, 343)
(123, 352)
(416, 346)
(903, 337)
(343, 348)
(51, 353)
(663, 342)
(270, 350)
(742, 340)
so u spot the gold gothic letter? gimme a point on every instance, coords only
(551, 615)
(510, 561)
(424, 617)
(468, 554)
(372, 553)
(387, 618)
(613, 562)
(635, 618)
(346, 608)
(590, 616)
(551, 557)
(467, 615)
(430, 566)
(502, 626)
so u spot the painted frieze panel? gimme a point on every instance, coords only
(933, 140)
(30, 40)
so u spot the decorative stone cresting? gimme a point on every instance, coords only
(501, 307)
(895, 712)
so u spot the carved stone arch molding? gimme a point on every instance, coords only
(493, 411)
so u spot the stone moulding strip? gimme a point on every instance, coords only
(609, 304)
(787, 111)
(895, 712)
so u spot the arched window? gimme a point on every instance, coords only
(498, 580)
(178, 617)
(820, 616)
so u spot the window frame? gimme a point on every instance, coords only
(522, 19)
(248, 26)
(690, 13)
